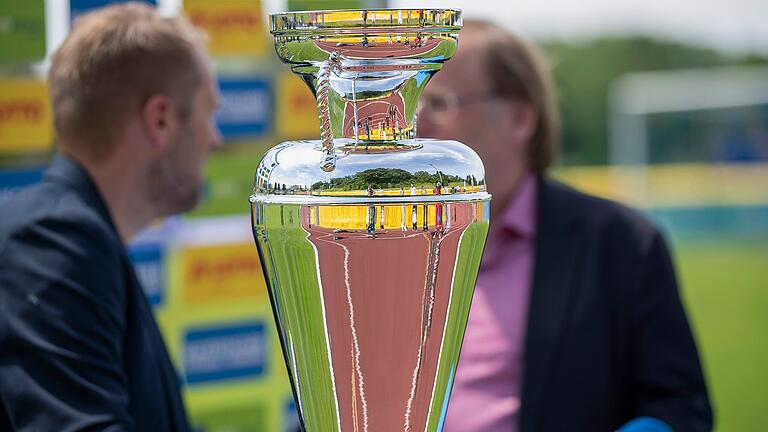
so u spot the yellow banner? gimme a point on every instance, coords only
(234, 27)
(221, 274)
(26, 124)
(216, 299)
(674, 185)
(296, 109)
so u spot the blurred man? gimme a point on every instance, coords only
(133, 98)
(576, 323)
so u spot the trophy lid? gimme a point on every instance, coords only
(367, 69)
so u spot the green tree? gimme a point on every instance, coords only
(584, 72)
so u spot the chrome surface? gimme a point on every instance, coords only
(291, 169)
(370, 239)
(366, 68)
(371, 301)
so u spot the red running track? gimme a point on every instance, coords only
(386, 301)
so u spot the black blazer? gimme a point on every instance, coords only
(607, 339)
(79, 347)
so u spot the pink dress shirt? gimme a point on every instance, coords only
(486, 391)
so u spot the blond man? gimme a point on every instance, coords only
(133, 97)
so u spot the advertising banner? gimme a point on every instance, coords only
(296, 109)
(217, 322)
(234, 27)
(224, 352)
(80, 7)
(22, 31)
(26, 124)
(246, 107)
(12, 181)
(221, 273)
(149, 266)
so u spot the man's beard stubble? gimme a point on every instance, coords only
(173, 186)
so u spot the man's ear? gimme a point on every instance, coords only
(159, 120)
(523, 120)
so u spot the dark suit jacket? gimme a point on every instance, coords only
(79, 347)
(607, 339)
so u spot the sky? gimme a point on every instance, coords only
(732, 26)
(736, 26)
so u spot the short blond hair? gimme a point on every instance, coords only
(518, 70)
(111, 63)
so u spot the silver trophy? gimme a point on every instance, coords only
(370, 238)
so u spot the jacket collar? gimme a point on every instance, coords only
(66, 170)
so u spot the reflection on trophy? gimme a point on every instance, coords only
(370, 239)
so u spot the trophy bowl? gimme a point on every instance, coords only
(370, 238)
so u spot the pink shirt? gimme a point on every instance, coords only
(486, 391)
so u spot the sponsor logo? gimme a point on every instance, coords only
(246, 107)
(245, 19)
(216, 270)
(26, 124)
(221, 273)
(226, 352)
(234, 27)
(25, 110)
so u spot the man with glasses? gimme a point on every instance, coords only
(576, 322)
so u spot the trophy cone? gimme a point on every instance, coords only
(370, 239)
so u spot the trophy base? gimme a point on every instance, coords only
(371, 300)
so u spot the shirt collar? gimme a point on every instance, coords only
(520, 214)
(516, 223)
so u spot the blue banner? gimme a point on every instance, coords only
(80, 7)
(290, 416)
(225, 352)
(12, 181)
(246, 107)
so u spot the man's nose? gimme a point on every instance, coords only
(217, 141)
(425, 127)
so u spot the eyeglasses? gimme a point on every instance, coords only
(444, 106)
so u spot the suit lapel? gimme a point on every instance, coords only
(557, 246)
(169, 384)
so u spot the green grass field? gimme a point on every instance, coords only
(725, 287)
